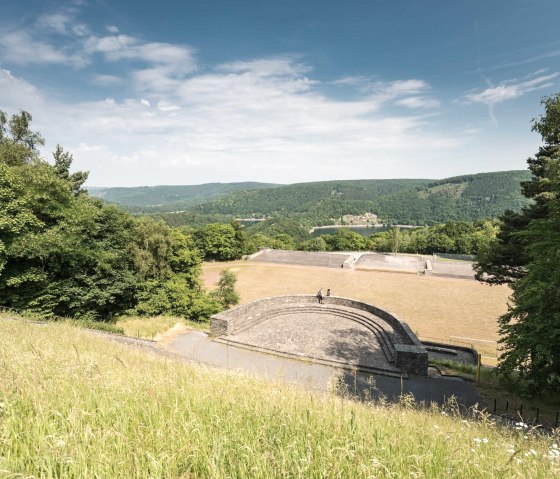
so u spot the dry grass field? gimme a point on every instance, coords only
(439, 308)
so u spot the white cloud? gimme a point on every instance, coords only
(57, 22)
(126, 47)
(275, 66)
(21, 48)
(418, 102)
(106, 80)
(164, 106)
(112, 29)
(509, 90)
(16, 93)
(236, 123)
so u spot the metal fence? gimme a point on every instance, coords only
(526, 416)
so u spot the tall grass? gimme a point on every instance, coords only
(74, 406)
(151, 327)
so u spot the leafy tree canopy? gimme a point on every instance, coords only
(526, 254)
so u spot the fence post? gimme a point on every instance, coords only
(478, 368)
(537, 415)
(495, 405)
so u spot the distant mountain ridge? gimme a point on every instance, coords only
(177, 196)
(395, 201)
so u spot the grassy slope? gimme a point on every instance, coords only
(73, 405)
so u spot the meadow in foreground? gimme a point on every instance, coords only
(75, 405)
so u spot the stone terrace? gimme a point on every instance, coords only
(391, 262)
(341, 332)
(453, 269)
(329, 260)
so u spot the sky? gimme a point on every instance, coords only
(199, 91)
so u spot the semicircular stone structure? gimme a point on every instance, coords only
(340, 332)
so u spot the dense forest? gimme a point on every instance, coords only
(415, 202)
(401, 201)
(64, 253)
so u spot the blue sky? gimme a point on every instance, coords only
(196, 91)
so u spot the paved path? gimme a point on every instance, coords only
(196, 346)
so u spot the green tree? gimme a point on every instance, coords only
(65, 253)
(225, 294)
(219, 242)
(62, 162)
(345, 240)
(526, 254)
(315, 244)
(18, 143)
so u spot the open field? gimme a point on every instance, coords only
(440, 308)
(75, 405)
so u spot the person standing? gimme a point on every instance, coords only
(320, 296)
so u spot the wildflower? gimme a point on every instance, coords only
(554, 453)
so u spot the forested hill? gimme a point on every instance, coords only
(412, 201)
(397, 201)
(171, 197)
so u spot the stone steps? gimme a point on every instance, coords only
(365, 319)
(392, 371)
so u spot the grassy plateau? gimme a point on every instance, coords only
(74, 405)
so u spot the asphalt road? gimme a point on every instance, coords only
(197, 346)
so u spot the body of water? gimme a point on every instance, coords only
(363, 230)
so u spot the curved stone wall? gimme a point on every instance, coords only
(410, 355)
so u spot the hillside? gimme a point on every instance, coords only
(76, 405)
(171, 197)
(395, 201)
(419, 201)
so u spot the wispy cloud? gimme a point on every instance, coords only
(106, 80)
(508, 90)
(418, 102)
(21, 48)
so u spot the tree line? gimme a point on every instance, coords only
(223, 242)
